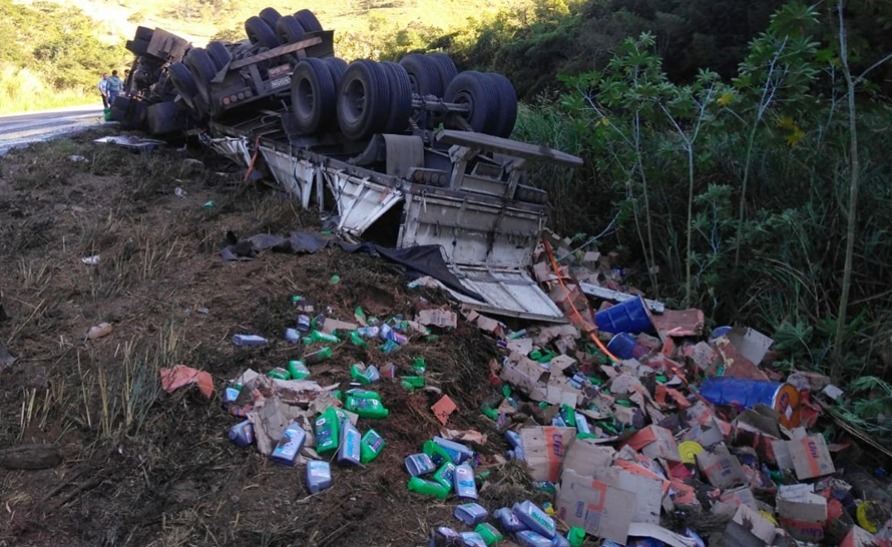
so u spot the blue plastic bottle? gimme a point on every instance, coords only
(349, 453)
(318, 476)
(419, 464)
(536, 519)
(242, 434)
(508, 521)
(289, 445)
(457, 451)
(464, 482)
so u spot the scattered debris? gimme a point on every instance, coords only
(179, 376)
(99, 331)
(91, 260)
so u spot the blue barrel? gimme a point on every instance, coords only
(719, 332)
(745, 393)
(630, 316)
(622, 345)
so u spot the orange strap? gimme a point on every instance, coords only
(253, 159)
(591, 333)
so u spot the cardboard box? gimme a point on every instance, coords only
(721, 468)
(801, 511)
(586, 459)
(808, 456)
(600, 509)
(708, 435)
(859, 537)
(656, 442)
(648, 492)
(544, 449)
(749, 528)
(526, 375)
(437, 318)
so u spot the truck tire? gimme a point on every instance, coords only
(144, 33)
(203, 71)
(308, 21)
(445, 67)
(363, 100)
(400, 98)
(313, 100)
(506, 114)
(337, 67)
(476, 90)
(219, 54)
(424, 74)
(183, 82)
(259, 32)
(166, 117)
(270, 16)
(288, 30)
(138, 47)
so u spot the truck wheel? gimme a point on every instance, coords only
(337, 67)
(312, 95)
(270, 16)
(203, 70)
(144, 33)
(506, 114)
(259, 32)
(288, 30)
(445, 67)
(138, 47)
(400, 98)
(219, 54)
(308, 21)
(475, 90)
(424, 74)
(363, 100)
(166, 117)
(183, 82)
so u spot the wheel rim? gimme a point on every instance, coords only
(305, 98)
(357, 100)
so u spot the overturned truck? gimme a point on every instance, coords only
(409, 153)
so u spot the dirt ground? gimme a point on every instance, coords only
(143, 467)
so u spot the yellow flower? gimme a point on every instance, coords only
(796, 136)
(725, 99)
(603, 122)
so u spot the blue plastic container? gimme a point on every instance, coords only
(622, 345)
(630, 316)
(782, 397)
(719, 332)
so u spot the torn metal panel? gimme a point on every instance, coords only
(234, 148)
(360, 201)
(297, 176)
(506, 292)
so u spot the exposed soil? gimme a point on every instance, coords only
(143, 467)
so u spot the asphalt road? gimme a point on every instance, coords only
(23, 129)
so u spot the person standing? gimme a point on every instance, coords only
(103, 89)
(114, 87)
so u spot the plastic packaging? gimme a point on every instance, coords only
(303, 323)
(365, 375)
(318, 476)
(349, 452)
(489, 533)
(368, 332)
(582, 425)
(458, 452)
(419, 464)
(279, 373)
(536, 519)
(230, 394)
(528, 538)
(242, 434)
(470, 513)
(367, 408)
(444, 537)
(513, 439)
(317, 356)
(298, 369)
(359, 393)
(289, 445)
(428, 488)
(472, 539)
(508, 521)
(436, 452)
(370, 446)
(445, 475)
(559, 541)
(319, 336)
(465, 487)
(327, 431)
(248, 340)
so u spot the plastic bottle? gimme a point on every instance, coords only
(279, 373)
(359, 393)
(317, 356)
(370, 446)
(415, 382)
(445, 475)
(428, 488)
(248, 340)
(436, 452)
(319, 336)
(388, 346)
(576, 536)
(513, 439)
(357, 340)
(327, 431)
(418, 365)
(292, 335)
(458, 452)
(303, 323)
(529, 538)
(368, 332)
(508, 520)
(536, 519)
(298, 369)
(444, 537)
(463, 479)
(230, 394)
(489, 533)
(582, 425)
(472, 539)
(318, 476)
(470, 513)
(242, 434)
(419, 464)
(367, 408)
(349, 452)
(559, 541)
(289, 445)
(365, 375)
(568, 413)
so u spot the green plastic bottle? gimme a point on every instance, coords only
(319, 336)
(489, 533)
(576, 536)
(327, 431)
(436, 452)
(357, 340)
(317, 356)
(367, 408)
(298, 369)
(445, 475)
(370, 446)
(279, 373)
(358, 393)
(364, 375)
(490, 413)
(428, 488)
(418, 365)
(416, 382)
